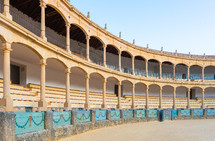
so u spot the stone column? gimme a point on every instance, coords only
(6, 11)
(67, 104)
(188, 98)
(42, 103)
(188, 73)
(203, 74)
(68, 37)
(87, 106)
(88, 48)
(119, 95)
(43, 21)
(146, 68)
(174, 98)
(120, 67)
(104, 56)
(133, 96)
(160, 64)
(6, 101)
(147, 97)
(104, 93)
(48, 124)
(174, 71)
(203, 98)
(160, 98)
(133, 65)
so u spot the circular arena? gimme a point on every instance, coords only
(61, 74)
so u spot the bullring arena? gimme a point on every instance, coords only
(61, 75)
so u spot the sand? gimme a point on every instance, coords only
(186, 130)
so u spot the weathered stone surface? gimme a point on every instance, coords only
(48, 117)
(7, 126)
(34, 136)
(63, 132)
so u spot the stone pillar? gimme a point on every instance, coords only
(43, 21)
(160, 66)
(203, 98)
(7, 126)
(174, 66)
(133, 97)
(119, 95)
(6, 11)
(48, 125)
(188, 73)
(42, 102)
(203, 74)
(74, 117)
(120, 67)
(147, 97)
(104, 93)
(93, 116)
(68, 37)
(188, 98)
(133, 65)
(160, 98)
(87, 106)
(67, 104)
(6, 101)
(88, 48)
(146, 67)
(174, 98)
(109, 115)
(104, 56)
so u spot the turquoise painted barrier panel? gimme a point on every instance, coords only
(115, 114)
(83, 116)
(141, 113)
(101, 115)
(152, 113)
(166, 115)
(61, 118)
(29, 122)
(210, 112)
(174, 113)
(198, 112)
(185, 112)
(128, 114)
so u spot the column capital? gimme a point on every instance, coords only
(147, 87)
(6, 47)
(42, 4)
(133, 85)
(119, 52)
(87, 76)
(104, 46)
(68, 24)
(104, 80)
(87, 37)
(203, 90)
(43, 62)
(67, 70)
(120, 83)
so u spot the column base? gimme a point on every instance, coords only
(69, 51)
(147, 107)
(7, 103)
(174, 107)
(160, 107)
(119, 106)
(8, 15)
(67, 105)
(203, 107)
(87, 106)
(42, 105)
(104, 106)
(188, 107)
(44, 38)
(133, 107)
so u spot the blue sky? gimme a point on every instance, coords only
(182, 25)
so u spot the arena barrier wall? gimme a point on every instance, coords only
(52, 125)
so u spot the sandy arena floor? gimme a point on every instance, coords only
(187, 130)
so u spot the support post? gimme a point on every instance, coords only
(6, 101)
(67, 104)
(174, 66)
(87, 106)
(188, 98)
(43, 22)
(119, 95)
(174, 98)
(68, 37)
(188, 73)
(104, 56)
(160, 66)
(146, 68)
(133, 65)
(160, 98)
(203, 74)
(104, 93)
(147, 97)
(203, 98)
(133, 96)
(120, 67)
(6, 11)
(42, 103)
(88, 48)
